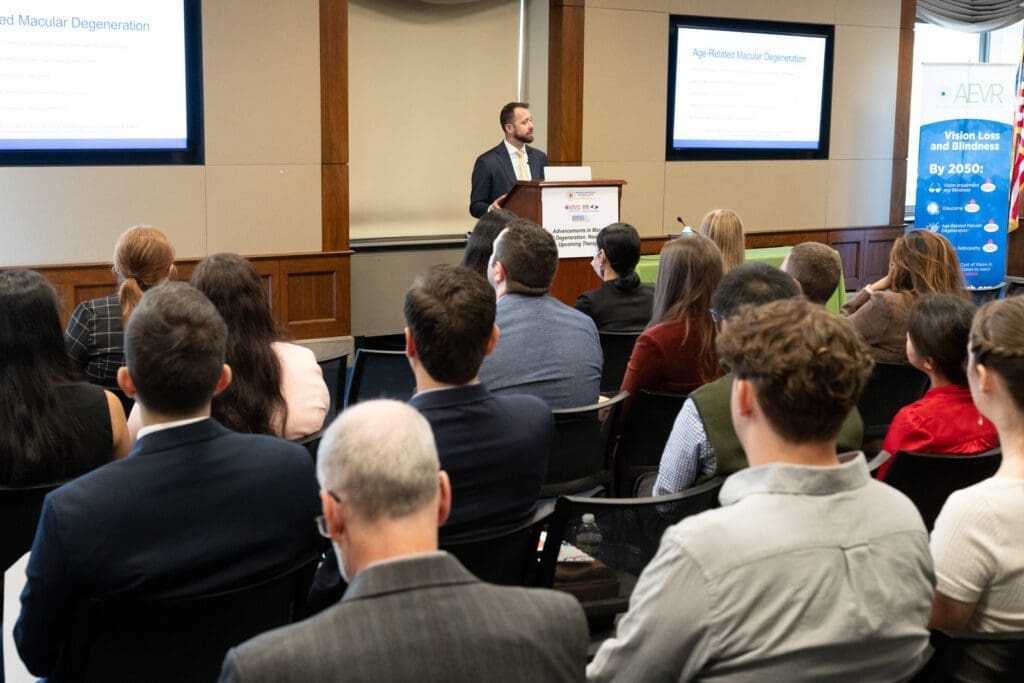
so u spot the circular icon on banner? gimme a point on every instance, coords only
(972, 207)
(991, 226)
(932, 208)
(989, 247)
(988, 185)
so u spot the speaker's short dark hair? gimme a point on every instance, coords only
(450, 312)
(751, 284)
(508, 112)
(174, 348)
(529, 255)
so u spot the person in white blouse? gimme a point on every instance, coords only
(977, 543)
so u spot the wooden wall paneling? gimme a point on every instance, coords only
(877, 245)
(650, 246)
(574, 276)
(759, 240)
(849, 244)
(311, 295)
(565, 82)
(305, 290)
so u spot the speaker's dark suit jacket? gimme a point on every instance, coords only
(423, 618)
(495, 450)
(493, 175)
(193, 509)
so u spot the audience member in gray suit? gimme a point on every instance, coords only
(411, 612)
(546, 348)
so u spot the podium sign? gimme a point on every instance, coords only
(574, 216)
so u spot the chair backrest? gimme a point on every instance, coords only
(380, 374)
(507, 556)
(889, 388)
(311, 442)
(644, 432)
(979, 658)
(928, 479)
(334, 369)
(126, 638)
(19, 510)
(616, 347)
(581, 448)
(631, 530)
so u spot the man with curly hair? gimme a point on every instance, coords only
(810, 570)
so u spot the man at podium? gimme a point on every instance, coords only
(498, 169)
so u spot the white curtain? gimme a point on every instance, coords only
(972, 16)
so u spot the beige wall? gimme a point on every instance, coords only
(259, 191)
(624, 109)
(426, 83)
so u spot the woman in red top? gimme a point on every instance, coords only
(944, 420)
(676, 353)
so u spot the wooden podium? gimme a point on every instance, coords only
(575, 275)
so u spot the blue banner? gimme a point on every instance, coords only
(963, 191)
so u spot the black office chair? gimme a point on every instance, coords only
(126, 638)
(644, 432)
(334, 369)
(928, 479)
(616, 348)
(19, 510)
(581, 449)
(380, 374)
(631, 530)
(506, 556)
(311, 442)
(889, 388)
(978, 658)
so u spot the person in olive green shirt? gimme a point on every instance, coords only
(703, 443)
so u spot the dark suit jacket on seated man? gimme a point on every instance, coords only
(194, 509)
(411, 612)
(797, 577)
(497, 170)
(546, 348)
(495, 449)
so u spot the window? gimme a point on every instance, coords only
(936, 44)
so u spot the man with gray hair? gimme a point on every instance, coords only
(411, 612)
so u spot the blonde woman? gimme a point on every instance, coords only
(725, 229)
(143, 258)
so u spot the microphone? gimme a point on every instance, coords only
(687, 230)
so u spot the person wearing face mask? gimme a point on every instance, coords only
(622, 303)
(411, 611)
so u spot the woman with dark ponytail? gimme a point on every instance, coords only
(622, 303)
(143, 258)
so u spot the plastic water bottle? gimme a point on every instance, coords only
(588, 536)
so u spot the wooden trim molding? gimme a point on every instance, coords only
(306, 291)
(901, 130)
(565, 82)
(334, 124)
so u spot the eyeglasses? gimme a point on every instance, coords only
(321, 522)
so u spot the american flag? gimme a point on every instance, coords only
(1017, 175)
